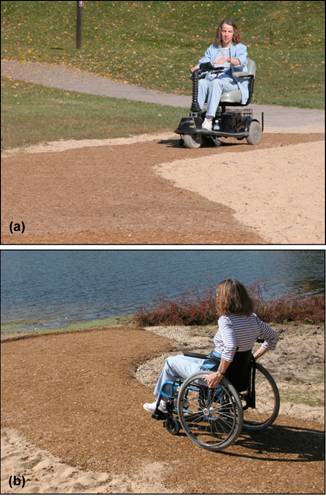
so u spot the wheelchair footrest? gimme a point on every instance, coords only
(158, 415)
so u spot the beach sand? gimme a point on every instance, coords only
(281, 194)
(72, 417)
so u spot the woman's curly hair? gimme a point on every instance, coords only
(233, 298)
(236, 33)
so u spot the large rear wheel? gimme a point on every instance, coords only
(211, 417)
(255, 133)
(267, 402)
(192, 140)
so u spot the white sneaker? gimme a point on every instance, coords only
(207, 124)
(150, 407)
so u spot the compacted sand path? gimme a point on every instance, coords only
(76, 397)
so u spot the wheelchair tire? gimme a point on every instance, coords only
(172, 426)
(255, 133)
(267, 402)
(192, 140)
(211, 418)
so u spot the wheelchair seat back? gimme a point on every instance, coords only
(234, 97)
(238, 372)
(251, 67)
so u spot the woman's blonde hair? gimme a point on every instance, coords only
(233, 298)
(236, 33)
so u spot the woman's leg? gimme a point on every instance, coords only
(177, 367)
(216, 88)
(203, 85)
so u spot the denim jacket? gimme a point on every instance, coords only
(238, 51)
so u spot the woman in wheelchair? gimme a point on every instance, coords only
(238, 330)
(227, 51)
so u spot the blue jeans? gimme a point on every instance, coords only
(213, 91)
(179, 367)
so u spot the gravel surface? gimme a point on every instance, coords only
(72, 420)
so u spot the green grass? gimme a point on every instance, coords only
(13, 329)
(32, 114)
(155, 43)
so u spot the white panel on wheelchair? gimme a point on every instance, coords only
(231, 97)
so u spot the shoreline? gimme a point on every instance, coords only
(8, 333)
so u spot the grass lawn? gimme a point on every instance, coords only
(154, 43)
(32, 114)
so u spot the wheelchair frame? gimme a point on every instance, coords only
(213, 418)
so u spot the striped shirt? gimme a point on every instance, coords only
(240, 332)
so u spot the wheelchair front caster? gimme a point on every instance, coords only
(192, 141)
(172, 426)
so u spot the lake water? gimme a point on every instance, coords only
(51, 288)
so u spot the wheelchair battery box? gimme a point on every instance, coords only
(235, 121)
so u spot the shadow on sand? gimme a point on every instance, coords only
(178, 143)
(287, 443)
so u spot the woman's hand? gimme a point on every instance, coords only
(220, 60)
(233, 61)
(194, 68)
(213, 379)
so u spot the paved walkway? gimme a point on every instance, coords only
(277, 118)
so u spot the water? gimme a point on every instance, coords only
(42, 289)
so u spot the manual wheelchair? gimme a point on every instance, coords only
(246, 398)
(237, 123)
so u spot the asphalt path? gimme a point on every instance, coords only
(277, 118)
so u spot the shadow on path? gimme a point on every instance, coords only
(286, 443)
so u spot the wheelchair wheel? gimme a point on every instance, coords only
(192, 140)
(267, 402)
(172, 426)
(255, 133)
(211, 418)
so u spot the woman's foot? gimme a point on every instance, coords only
(151, 407)
(207, 124)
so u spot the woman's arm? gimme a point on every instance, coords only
(260, 352)
(233, 61)
(241, 55)
(269, 335)
(214, 379)
(226, 333)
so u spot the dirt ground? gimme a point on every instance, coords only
(113, 194)
(72, 421)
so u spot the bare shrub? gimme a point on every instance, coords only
(195, 309)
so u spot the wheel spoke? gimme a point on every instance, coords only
(214, 415)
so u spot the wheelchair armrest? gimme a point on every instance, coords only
(206, 66)
(240, 74)
(195, 355)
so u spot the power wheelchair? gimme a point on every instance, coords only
(246, 398)
(235, 123)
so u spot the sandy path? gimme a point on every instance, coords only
(69, 395)
(280, 193)
(111, 194)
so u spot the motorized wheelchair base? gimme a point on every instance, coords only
(233, 125)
